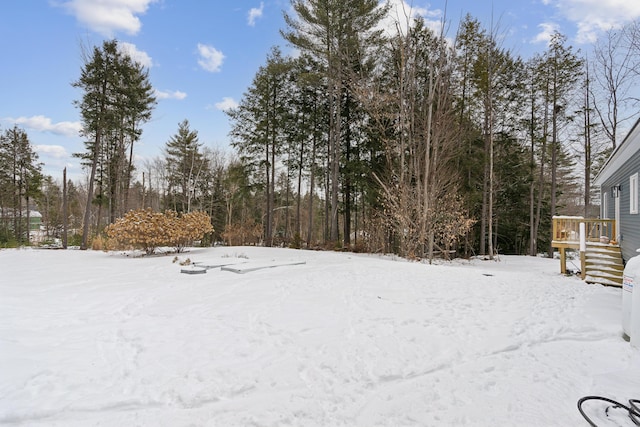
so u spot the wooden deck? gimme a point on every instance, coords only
(600, 257)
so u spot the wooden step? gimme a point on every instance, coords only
(603, 265)
(603, 281)
(609, 265)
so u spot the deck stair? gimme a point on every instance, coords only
(603, 264)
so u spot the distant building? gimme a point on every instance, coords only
(7, 221)
(35, 221)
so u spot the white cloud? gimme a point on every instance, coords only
(176, 94)
(138, 56)
(210, 58)
(52, 151)
(547, 29)
(593, 16)
(44, 124)
(109, 16)
(402, 15)
(227, 103)
(255, 13)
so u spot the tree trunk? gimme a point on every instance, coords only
(587, 148)
(298, 230)
(543, 154)
(533, 247)
(554, 159)
(335, 161)
(28, 219)
(65, 215)
(127, 185)
(347, 176)
(92, 175)
(268, 208)
(485, 192)
(491, 183)
(426, 196)
(312, 187)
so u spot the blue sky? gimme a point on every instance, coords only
(202, 56)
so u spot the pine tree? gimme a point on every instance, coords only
(117, 99)
(343, 37)
(489, 77)
(564, 69)
(186, 168)
(259, 127)
(20, 179)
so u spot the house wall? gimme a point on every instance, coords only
(629, 227)
(35, 223)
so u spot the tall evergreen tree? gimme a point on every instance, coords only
(342, 36)
(20, 179)
(117, 98)
(307, 134)
(186, 168)
(536, 134)
(259, 127)
(469, 40)
(489, 77)
(564, 69)
(51, 207)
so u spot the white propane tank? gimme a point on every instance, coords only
(635, 308)
(630, 279)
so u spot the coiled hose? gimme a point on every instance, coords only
(633, 409)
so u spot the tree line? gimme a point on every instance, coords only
(412, 141)
(420, 143)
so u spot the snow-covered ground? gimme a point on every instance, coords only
(103, 339)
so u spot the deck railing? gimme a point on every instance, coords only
(567, 229)
(566, 235)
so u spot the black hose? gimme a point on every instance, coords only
(633, 409)
(634, 414)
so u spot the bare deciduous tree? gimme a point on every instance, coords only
(616, 73)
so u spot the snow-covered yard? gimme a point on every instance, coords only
(94, 338)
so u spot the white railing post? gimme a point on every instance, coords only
(583, 250)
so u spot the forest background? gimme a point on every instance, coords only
(428, 142)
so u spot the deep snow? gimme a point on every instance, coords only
(93, 338)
